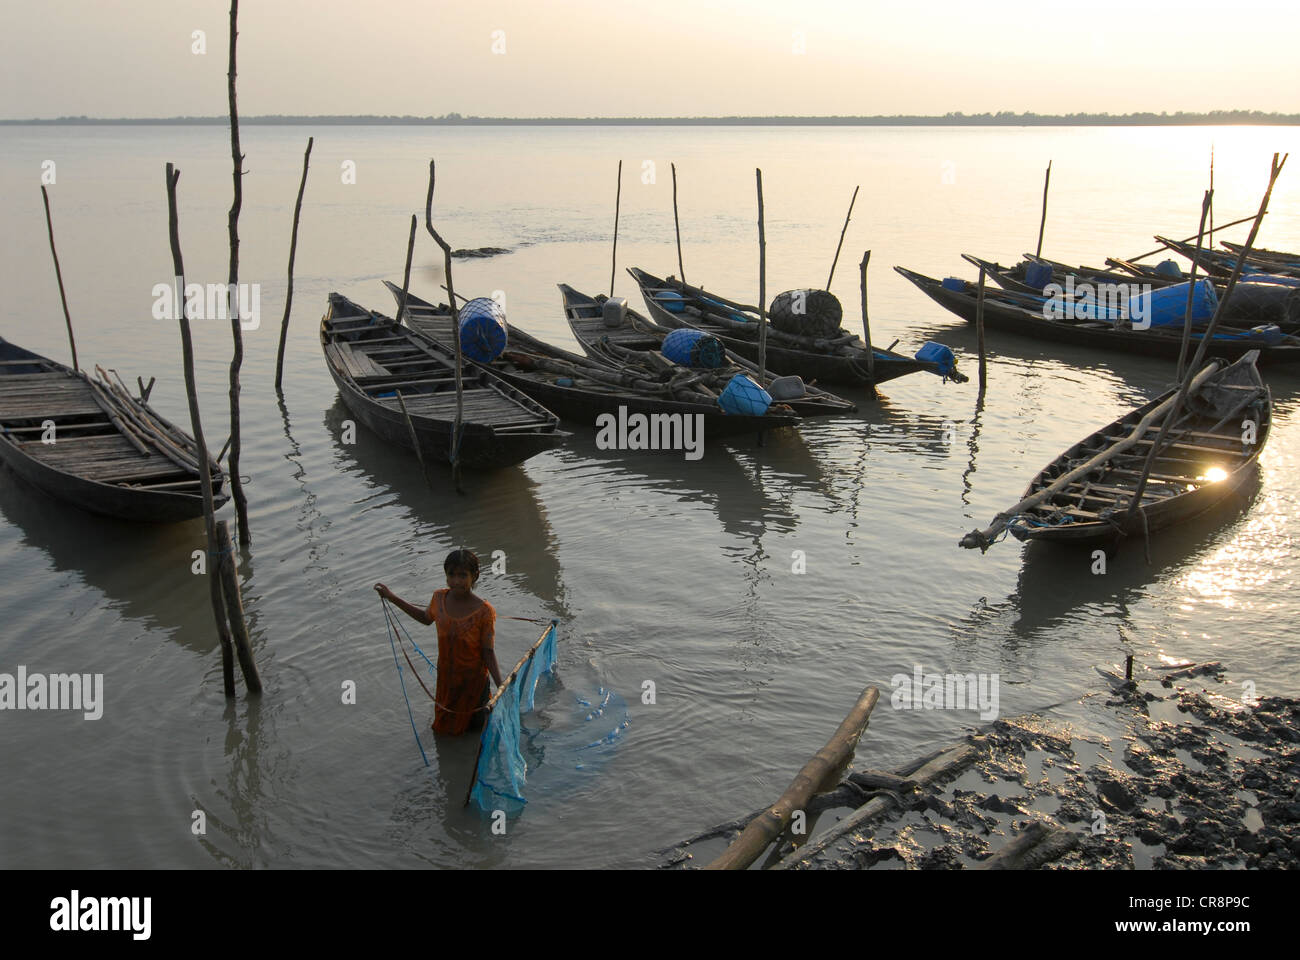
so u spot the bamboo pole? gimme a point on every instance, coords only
(843, 231)
(458, 427)
(196, 426)
(232, 285)
(945, 763)
(406, 273)
(618, 197)
(1211, 197)
(1275, 170)
(762, 280)
(1162, 247)
(681, 270)
(979, 332)
(415, 438)
(1206, 207)
(293, 250)
(866, 323)
(58, 275)
(235, 609)
(1042, 224)
(825, 764)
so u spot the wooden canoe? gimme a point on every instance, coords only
(1207, 455)
(1252, 303)
(620, 346)
(372, 358)
(580, 390)
(1024, 315)
(107, 452)
(842, 360)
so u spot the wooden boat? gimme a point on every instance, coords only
(627, 345)
(1083, 496)
(842, 360)
(378, 365)
(1273, 256)
(1024, 314)
(108, 452)
(579, 389)
(1221, 264)
(1252, 303)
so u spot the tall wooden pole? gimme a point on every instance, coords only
(979, 333)
(1211, 197)
(458, 427)
(677, 227)
(1162, 248)
(843, 231)
(866, 323)
(293, 250)
(1042, 224)
(232, 286)
(235, 608)
(1203, 346)
(762, 283)
(58, 275)
(1207, 204)
(618, 197)
(201, 447)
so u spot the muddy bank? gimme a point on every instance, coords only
(1197, 780)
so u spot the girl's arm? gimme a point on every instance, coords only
(490, 657)
(415, 613)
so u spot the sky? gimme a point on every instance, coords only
(584, 58)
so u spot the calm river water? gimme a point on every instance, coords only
(661, 569)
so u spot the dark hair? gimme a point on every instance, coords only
(462, 560)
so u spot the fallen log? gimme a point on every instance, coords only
(1037, 844)
(826, 763)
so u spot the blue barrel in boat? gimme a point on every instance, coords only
(744, 397)
(937, 353)
(1038, 274)
(955, 284)
(693, 348)
(483, 331)
(1166, 306)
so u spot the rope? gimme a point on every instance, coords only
(402, 632)
(410, 714)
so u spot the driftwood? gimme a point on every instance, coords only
(1037, 844)
(831, 758)
(232, 285)
(196, 426)
(983, 538)
(947, 762)
(293, 251)
(58, 275)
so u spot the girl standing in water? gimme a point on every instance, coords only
(466, 638)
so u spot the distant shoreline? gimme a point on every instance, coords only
(1004, 119)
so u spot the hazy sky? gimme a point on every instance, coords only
(649, 58)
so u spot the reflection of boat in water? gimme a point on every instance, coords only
(504, 514)
(156, 587)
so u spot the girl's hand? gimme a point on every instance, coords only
(383, 591)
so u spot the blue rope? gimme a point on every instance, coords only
(388, 623)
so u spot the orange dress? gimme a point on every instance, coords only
(463, 643)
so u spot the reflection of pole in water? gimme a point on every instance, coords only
(973, 445)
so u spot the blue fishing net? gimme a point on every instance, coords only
(502, 772)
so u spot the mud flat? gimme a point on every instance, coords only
(1200, 775)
